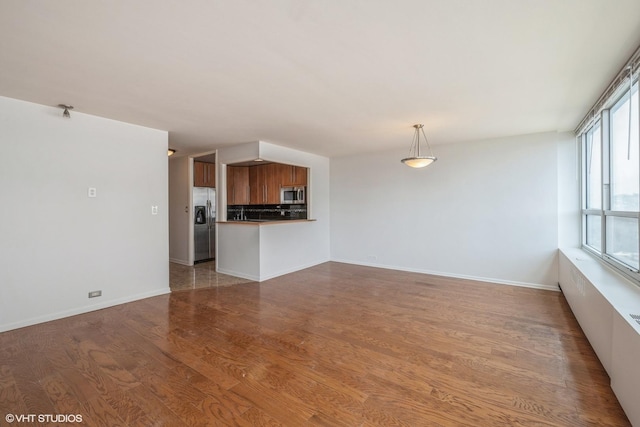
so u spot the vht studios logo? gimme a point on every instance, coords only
(43, 418)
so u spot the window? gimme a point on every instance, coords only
(611, 183)
(593, 188)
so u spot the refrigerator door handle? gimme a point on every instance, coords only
(208, 213)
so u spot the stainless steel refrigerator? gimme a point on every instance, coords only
(204, 223)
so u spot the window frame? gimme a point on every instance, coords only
(603, 119)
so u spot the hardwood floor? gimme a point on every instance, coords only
(335, 345)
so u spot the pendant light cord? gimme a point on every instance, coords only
(427, 142)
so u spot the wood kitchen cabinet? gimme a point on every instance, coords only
(256, 190)
(264, 184)
(204, 174)
(260, 185)
(272, 184)
(293, 176)
(238, 185)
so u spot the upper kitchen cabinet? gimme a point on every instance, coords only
(256, 185)
(264, 184)
(238, 185)
(272, 184)
(261, 184)
(204, 174)
(293, 176)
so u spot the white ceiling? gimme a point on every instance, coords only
(332, 77)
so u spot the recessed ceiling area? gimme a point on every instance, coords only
(332, 78)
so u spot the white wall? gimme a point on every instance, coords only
(57, 244)
(568, 192)
(486, 210)
(180, 226)
(238, 252)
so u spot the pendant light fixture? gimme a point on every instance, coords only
(415, 159)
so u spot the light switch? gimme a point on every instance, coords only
(92, 192)
(154, 210)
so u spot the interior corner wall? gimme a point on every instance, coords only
(57, 243)
(569, 215)
(486, 210)
(301, 245)
(179, 210)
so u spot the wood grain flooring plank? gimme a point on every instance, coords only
(61, 395)
(100, 413)
(28, 383)
(222, 410)
(155, 409)
(280, 406)
(11, 399)
(81, 387)
(219, 403)
(337, 385)
(336, 401)
(254, 417)
(175, 393)
(126, 408)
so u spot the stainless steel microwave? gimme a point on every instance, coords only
(292, 195)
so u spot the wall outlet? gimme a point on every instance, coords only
(94, 294)
(154, 210)
(372, 257)
(92, 192)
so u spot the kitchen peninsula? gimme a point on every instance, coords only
(273, 207)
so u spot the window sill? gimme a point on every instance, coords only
(618, 290)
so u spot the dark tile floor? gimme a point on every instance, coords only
(202, 275)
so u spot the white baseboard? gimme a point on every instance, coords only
(180, 261)
(291, 270)
(262, 278)
(81, 310)
(455, 276)
(238, 274)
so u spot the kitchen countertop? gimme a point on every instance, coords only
(265, 221)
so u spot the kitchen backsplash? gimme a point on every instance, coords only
(266, 212)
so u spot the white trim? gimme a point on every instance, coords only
(238, 274)
(455, 276)
(180, 261)
(81, 310)
(291, 270)
(262, 278)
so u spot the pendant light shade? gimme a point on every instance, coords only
(416, 159)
